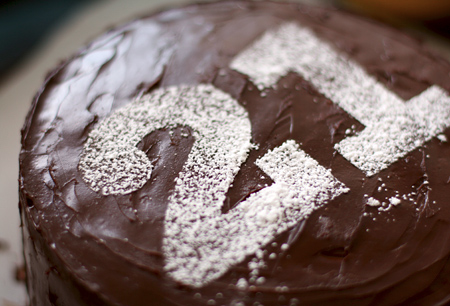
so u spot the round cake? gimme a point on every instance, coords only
(240, 153)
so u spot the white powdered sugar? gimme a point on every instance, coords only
(394, 201)
(442, 137)
(201, 243)
(403, 129)
(393, 127)
(112, 164)
(373, 202)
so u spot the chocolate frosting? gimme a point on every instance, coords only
(82, 248)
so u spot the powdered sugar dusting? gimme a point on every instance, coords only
(393, 127)
(112, 164)
(403, 129)
(373, 202)
(201, 243)
(442, 137)
(394, 201)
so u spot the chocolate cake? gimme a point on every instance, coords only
(240, 153)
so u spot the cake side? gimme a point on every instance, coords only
(381, 241)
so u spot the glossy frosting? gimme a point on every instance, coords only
(82, 248)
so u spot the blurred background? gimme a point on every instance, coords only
(36, 35)
(26, 23)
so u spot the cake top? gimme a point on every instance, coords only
(245, 152)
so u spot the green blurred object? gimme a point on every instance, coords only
(24, 23)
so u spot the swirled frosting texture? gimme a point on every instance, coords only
(85, 248)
